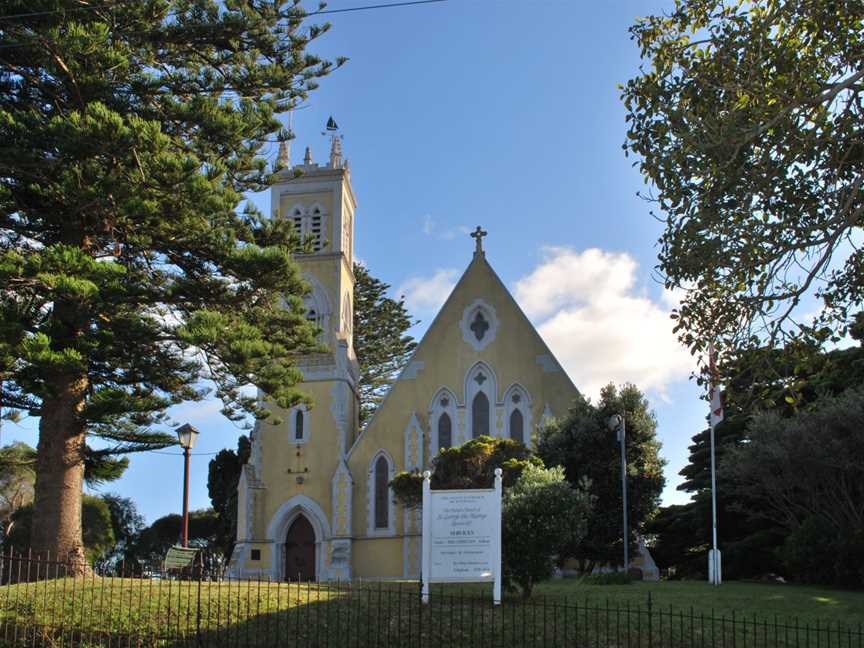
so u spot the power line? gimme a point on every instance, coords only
(379, 6)
(34, 14)
(180, 454)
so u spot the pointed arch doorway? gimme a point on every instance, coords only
(300, 550)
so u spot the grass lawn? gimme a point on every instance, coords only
(786, 601)
(85, 611)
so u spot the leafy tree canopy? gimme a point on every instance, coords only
(542, 516)
(750, 541)
(807, 472)
(126, 523)
(98, 532)
(584, 446)
(154, 541)
(17, 477)
(747, 123)
(130, 132)
(223, 475)
(471, 465)
(380, 342)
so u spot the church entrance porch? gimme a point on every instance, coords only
(299, 551)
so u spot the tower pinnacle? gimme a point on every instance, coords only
(284, 155)
(336, 152)
(335, 143)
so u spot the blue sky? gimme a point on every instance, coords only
(506, 115)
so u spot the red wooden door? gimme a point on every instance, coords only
(300, 551)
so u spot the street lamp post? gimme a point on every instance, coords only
(186, 435)
(616, 424)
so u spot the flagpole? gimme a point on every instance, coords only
(715, 416)
(714, 574)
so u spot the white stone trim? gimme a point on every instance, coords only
(347, 323)
(339, 395)
(292, 425)
(319, 300)
(435, 412)
(342, 482)
(472, 388)
(371, 530)
(414, 441)
(307, 214)
(411, 370)
(413, 438)
(547, 416)
(340, 544)
(524, 407)
(411, 544)
(468, 315)
(281, 522)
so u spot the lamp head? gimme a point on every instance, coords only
(614, 422)
(187, 435)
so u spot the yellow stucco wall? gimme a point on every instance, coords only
(316, 471)
(442, 360)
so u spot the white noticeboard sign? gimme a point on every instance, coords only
(462, 536)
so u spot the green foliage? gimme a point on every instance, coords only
(584, 446)
(380, 342)
(126, 524)
(223, 475)
(747, 122)
(751, 544)
(471, 465)
(407, 487)
(98, 532)
(807, 472)
(17, 477)
(542, 513)
(154, 541)
(542, 516)
(130, 134)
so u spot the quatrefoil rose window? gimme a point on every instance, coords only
(479, 324)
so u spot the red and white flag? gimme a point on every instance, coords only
(714, 392)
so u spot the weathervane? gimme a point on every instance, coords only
(478, 235)
(335, 143)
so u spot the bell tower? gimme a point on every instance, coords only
(298, 467)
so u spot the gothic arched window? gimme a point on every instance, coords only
(382, 512)
(445, 431)
(516, 426)
(480, 415)
(298, 425)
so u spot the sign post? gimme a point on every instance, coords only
(462, 536)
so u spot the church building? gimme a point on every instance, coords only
(313, 500)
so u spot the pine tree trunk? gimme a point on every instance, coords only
(56, 531)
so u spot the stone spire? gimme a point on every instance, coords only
(336, 152)
(284, 161)
(307, 157)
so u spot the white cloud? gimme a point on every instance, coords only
(428, 225)
(427, 294)
(598, 325)
(435, 230)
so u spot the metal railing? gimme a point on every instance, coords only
(43, 604)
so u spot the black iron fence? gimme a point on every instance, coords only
(43, 603)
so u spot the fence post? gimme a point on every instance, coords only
(650, 623)
(198, 612)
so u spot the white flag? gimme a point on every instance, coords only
(714, 392)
